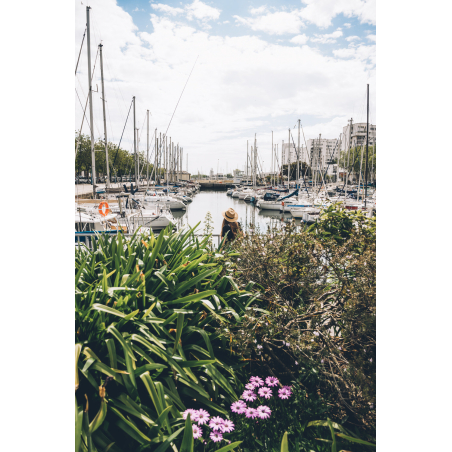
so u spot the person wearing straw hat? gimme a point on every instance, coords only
(230, 224)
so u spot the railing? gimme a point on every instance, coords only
(87, 238)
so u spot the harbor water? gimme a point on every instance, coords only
(217, 202)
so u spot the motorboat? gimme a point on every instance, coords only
(277, 204)
(298, 210)
(244, 193)
(311, 214)
(151, 199)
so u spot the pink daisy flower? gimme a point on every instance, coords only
(271, 381)
(257, 381)
(197, 431)
(265, 392)
(216, 436)
(238, 407)
(228, 426)
(249, 396)
(190, 411)
(201, 417)
(251, 413)
(216, 423)
(285, 392)
(264, 412)
(249, 386)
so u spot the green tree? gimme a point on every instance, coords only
(352, 163)
(121, 161)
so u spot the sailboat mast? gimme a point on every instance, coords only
(105, 121)
(367, 147)
(271, 169)
(348, 156)
(147, 151)
(90, 99)
(155, 157)
(138, 155)
(135, 141)
(246, 161)
(255, 161)
(288, 166)
(298, 155)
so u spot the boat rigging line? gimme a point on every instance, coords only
(81, 47)
(180, 97)
(86, 104)
(117, 149)
(298, 160)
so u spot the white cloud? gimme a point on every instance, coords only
(278, 23)
(372, 38)
(318, 12)
(328, 38)
(167, 9)
(362, 53)
(260, 10)
(201, 11)
(225, 21)
(196, 10)
(321, 12)
(352, 38)
(300, 39)
(239, 86)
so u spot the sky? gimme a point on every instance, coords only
(256, 68)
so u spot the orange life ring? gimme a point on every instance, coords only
(283, 203)
(103, 212)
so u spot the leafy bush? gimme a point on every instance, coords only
(145, 316)
(313, 325)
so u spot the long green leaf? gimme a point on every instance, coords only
(78, 427)
(149, 383)
(190, 283)
(100, 416)
(179, 327)
(78, 348)
(333, 446)
(107, 309)
(285, 443)
(168, 441)
(221, 380)
(355, 440)
(199, 363)
(187, 441)
(130, 425)
(229, 446)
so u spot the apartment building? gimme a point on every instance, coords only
(355, 135)
(289, 153)
(322, 153)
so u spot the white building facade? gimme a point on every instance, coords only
(355, 135)
(322, 154)
(319, 153)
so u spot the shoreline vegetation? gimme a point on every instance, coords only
(265, 344)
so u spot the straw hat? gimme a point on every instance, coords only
(230, 215)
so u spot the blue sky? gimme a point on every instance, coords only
(260, 67)
(140, 11)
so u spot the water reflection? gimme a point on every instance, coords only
(216, 202)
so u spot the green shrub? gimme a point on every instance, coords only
(314, 321)
(146, 312)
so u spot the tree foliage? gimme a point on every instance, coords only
(352, 163)
(121, 161)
